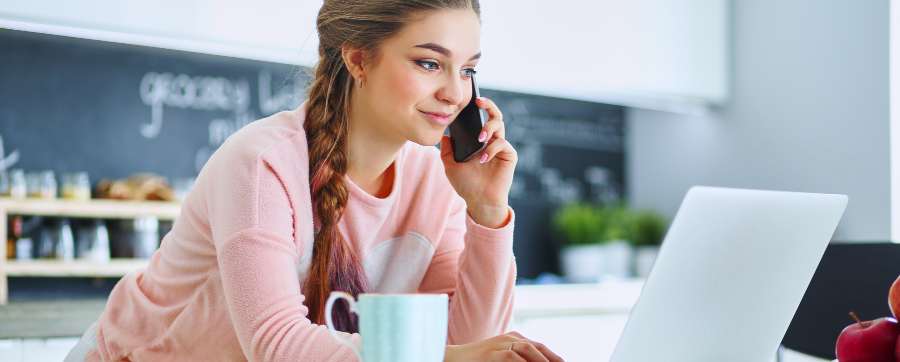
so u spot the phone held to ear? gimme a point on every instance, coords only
(464, 130)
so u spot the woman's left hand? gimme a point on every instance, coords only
(484, 181)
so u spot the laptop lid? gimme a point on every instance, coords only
(729, 276)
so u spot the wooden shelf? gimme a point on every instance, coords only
(76, 268)
(97, 208)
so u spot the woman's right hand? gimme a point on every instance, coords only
(511, 346)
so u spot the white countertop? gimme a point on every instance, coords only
(583, 322)
(611, 297)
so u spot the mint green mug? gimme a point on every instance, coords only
(395, 327)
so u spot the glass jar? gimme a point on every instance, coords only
(18, 188)
(41, 185)
(76, 186)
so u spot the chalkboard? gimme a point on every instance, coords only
(113, 110)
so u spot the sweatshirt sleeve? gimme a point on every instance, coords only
(475, 265)
(258, 266)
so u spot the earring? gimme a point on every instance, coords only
(362, 82)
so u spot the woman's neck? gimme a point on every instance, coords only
(370, 154)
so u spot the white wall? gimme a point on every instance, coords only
(809, 112)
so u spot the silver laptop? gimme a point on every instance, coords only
(729, 276)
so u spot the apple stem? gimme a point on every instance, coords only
(855, 317)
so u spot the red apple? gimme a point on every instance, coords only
(869, 341)
(897, 351)
(894, 298)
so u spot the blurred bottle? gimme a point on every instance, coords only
(65, 242)
(24, 247)
(93, 243)
(100, 251)
(46, 232)
(146, 236)
(27, 245)
(14, 234)
(49, 187)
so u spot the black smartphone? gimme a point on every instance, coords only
(465, 128)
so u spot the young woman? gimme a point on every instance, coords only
(344, 193)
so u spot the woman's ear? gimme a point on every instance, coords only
(354, 59)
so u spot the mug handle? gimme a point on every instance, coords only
(334, 332)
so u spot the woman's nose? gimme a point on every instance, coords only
(453, 90)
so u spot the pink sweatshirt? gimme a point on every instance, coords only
(225, 284)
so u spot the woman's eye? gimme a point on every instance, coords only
(425, 64)
(431, 65)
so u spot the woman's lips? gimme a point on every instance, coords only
(437, 118)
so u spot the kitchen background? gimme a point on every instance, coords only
(616, 110)
(112, 110)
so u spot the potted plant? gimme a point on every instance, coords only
(616, 251)
(648, 231)
(581, 226)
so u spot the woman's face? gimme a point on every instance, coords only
(425, 68)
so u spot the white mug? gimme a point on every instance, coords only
(395, 327)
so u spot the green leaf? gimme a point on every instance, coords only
(648, 229)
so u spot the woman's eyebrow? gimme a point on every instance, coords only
(446, 52)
